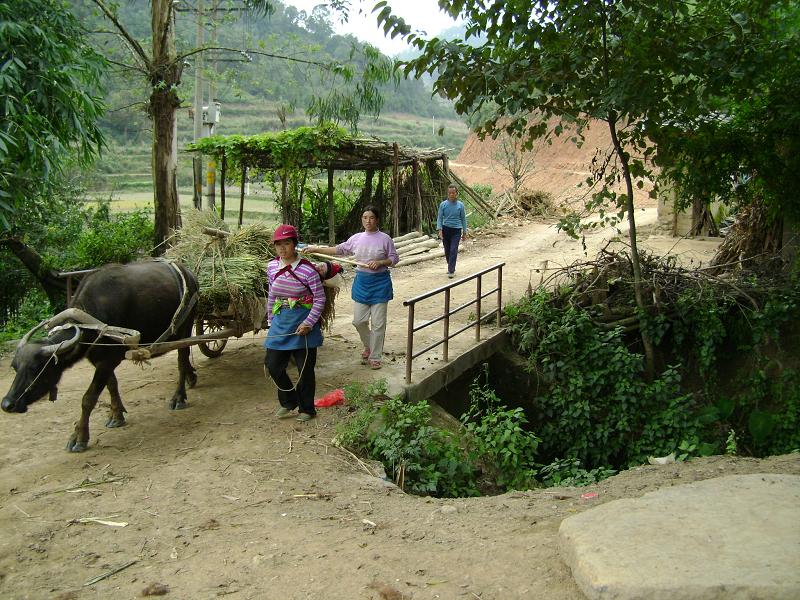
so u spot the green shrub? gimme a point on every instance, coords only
(113, 238)
(34, 308)
(423, 459)
(597, 407)
(570, 472)
(498, 441)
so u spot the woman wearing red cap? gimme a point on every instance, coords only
(294, 305)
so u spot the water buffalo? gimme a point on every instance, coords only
(154, 298)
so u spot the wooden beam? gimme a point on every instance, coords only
(417, 193)
(331, 210)
(395, 192)
(224, 168)
(241, 195)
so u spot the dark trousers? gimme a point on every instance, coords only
(450, 239)
(276, 362)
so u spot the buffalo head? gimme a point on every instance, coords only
(39, 366)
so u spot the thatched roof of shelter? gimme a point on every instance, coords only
(324, 147)
(413, 201)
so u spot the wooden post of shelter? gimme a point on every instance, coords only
(395, 190)
(223, 168)
(331, 210)
(446, 167)
(241, 195)
(417, 192)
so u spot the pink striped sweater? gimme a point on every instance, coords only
(283, 284)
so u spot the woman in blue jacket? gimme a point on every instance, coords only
(452, 226)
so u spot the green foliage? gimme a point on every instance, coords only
(363, 408)
(731, 446)
(707, 81)
(346, 192)
(34, 308)
(288, 149)
(497, 438)
(109, 238)
(569, 472)
(597, 408)
(423, 459)
(49, 81)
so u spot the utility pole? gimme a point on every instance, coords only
(197, 159)
(213, 111)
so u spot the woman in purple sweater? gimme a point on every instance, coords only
(372, 287)
(294, 305)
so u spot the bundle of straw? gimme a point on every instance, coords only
(230, 267)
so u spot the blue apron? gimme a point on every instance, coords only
(372, 288)
(287, 322)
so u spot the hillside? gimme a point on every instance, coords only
(560, 167)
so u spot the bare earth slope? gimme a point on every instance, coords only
(222, 499)
(559, 168)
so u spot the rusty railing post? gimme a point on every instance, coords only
(478, 310)
(446, 324)
(499, 294)
(409, 342)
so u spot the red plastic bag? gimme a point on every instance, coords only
(330, 399)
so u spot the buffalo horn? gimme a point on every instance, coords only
(72, 314)
(63, 346)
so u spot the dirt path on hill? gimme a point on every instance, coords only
(222, 499)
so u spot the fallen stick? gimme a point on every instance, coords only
(110, 573)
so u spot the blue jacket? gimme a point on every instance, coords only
(452, 214)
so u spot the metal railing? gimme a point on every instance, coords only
(69, 275)
(445, 317)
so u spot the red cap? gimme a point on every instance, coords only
(285, 232)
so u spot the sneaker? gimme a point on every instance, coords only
(284, 413)
(451, 275)
(305, 417)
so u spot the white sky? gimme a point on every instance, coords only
(419, 14)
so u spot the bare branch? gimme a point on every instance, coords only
(249, 51)
(127, 67)
(134, 45)
(111, 110)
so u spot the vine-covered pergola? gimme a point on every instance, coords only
(415, 194)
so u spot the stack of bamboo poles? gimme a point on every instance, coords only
(415, 247)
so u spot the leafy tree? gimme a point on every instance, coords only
(50, 84)
(163, 66)
(638, 66)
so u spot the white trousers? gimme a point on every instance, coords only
(371, 337)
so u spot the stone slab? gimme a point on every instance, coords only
(449, 372)
(730, 537)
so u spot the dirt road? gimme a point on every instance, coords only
(222, 499)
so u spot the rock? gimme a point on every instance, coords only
(729, 537)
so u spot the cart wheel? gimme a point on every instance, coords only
(213, 348)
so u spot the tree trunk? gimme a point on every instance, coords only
(165, 76)
(54, 287)
(647, 343)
